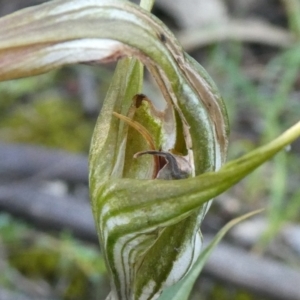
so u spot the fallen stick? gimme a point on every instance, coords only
(251, 31)
(32, 203)
(9, 295)
(260, 275)
(19, 161)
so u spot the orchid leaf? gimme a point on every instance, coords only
(183, 288)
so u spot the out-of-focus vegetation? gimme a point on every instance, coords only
(49, 266)
(46, 110)
(261, 88)
(260, 106)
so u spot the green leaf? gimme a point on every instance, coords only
(183, 288)
(147, 4)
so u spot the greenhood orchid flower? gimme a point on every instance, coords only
(154, 166)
